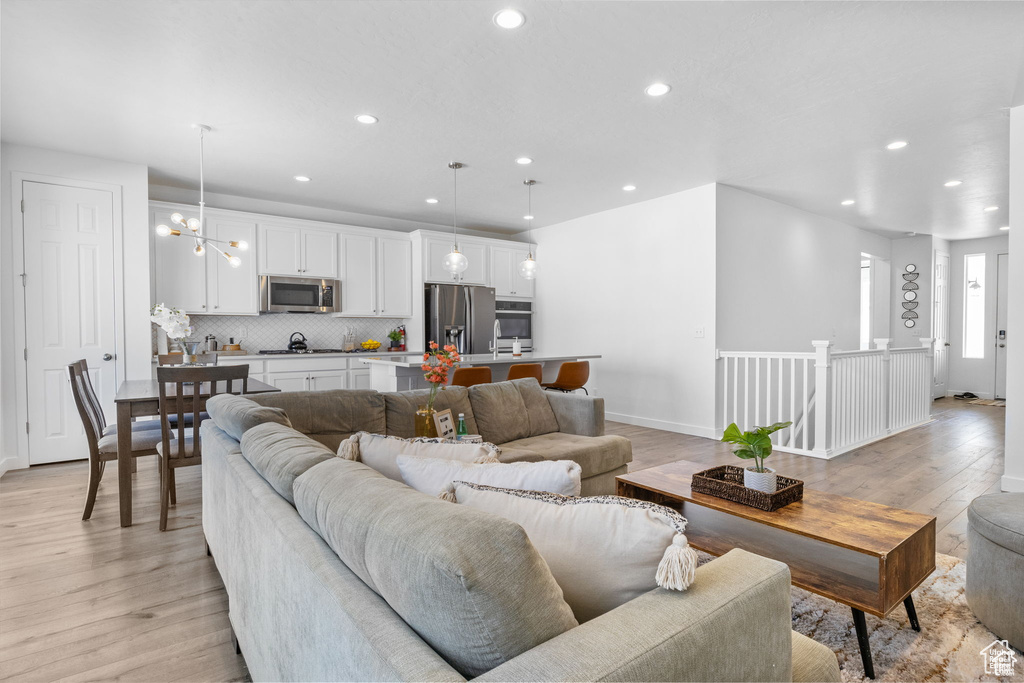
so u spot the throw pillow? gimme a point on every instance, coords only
(602, 550)
(434, 477)
(381, 452)
(538, 410)
(235, 415)
(500, 412)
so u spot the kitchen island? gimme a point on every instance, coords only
(404, 374)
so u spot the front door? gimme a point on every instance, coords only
(69, 311)
(940, 325)
(1002, 292)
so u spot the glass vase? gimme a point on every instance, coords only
(190, 358)
(424, 425)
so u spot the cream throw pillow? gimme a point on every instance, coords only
(434, 476)
(381, 452)
(602, 550)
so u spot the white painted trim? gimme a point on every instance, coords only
(8, 464)
(1012, 484)
(18, 178)
(664, 425)
(985, 394)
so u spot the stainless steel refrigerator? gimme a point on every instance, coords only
(461, 315)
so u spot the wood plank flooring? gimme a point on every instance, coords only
(92, 601)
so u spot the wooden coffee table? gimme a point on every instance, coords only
(870, 557)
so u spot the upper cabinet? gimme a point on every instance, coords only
(299, 252)
(233, 291)
(436, 248)
(505, 277)
(376, 276)
(394, 275)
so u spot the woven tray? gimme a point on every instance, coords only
(726, 481)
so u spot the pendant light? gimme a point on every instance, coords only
(455, 262)
(195, 225)
(528, 267)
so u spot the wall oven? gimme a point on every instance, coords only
(299, 295)
(516, 320)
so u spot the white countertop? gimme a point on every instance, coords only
(288, 356)
(475, 359)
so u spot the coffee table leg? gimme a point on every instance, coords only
(862, 640)
(911, 613)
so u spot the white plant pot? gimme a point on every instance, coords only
(760, 481)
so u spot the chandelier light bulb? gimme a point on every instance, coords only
(455, 262)
(199, 250)
(234, 261)
(177, 218)
(528, 268)
(163, 230)
(193, 224)
(241, 245)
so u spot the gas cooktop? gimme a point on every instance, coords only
(279, 351)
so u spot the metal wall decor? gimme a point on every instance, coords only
(910, 301)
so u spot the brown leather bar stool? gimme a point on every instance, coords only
(571, 376)
(521, 370)
(467, 377)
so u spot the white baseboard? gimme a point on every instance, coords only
(1014, 484)
(986, 395)
(664, 425)
(8, 464)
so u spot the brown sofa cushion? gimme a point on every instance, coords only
(400, 409)
(595, 454)
(506, 411)
(542, 417)
(330, 416)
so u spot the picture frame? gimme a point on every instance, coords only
(445, 424)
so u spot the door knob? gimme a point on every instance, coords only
(107, 356)
(947, 344)
(1002, 346)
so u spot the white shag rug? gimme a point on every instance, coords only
(948, 648)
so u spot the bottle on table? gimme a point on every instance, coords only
(460, 430)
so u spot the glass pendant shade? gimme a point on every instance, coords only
(455, 262)
(528, 268)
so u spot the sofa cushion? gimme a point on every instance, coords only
(280, 454)
(434, 476)
(381, 452)
(541, 416)
(595, 454)
(999, 517)
(401, 409)
(236, 414)
(500, 411)
(330, 416)
(603, 551)
(469, 583)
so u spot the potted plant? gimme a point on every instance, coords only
(437, 362)
(395, 336)
(177, 326)
(755, 445)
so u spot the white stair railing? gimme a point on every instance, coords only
(836, 400)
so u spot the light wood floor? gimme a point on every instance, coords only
(90, 600)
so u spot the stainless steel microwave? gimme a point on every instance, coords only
(299, 295)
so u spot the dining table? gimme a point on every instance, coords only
(141, 398)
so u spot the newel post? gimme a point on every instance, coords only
(823, 402)
(884, 345)
(929, 384)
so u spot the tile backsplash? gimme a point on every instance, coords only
(271, 331)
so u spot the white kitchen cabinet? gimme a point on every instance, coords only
(325, 381)
(359, 379)
(505, 277)
(289, 381)
(394, 277)
(180, 274)
(358, 275)
(376, 276)
(297, 252)
(232, 291)
(436, 248)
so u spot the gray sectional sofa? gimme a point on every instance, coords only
(335, 572)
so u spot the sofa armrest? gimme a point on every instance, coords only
(732, 624)
(581, 415)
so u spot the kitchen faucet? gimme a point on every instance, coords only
(497, 333)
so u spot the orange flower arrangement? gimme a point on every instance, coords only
(437, 362)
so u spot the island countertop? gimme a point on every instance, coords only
(478, 359)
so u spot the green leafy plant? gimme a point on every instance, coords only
(395, 335)
(756, 444)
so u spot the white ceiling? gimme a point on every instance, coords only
(792, 101)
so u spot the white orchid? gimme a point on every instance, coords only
(173, 321)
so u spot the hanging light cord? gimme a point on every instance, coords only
(455, 205)
(529, 204)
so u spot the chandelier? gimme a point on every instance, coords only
(528, 266)
(195, 226)
(455, 262)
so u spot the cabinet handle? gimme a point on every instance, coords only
(217, 306)
(203, 306)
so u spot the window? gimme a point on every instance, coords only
(974, 306)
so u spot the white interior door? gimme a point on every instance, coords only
(69, 311)
(1002, 292)
(940, 325)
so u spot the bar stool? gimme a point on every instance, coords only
(467, 377)
(571, 376)
(521, 370)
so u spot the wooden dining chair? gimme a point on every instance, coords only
(572, 375)
(180, 445)
(102, 442)
(522, 370)
(467, 377)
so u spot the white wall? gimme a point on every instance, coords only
(633, 284)
(133, 180)
(973, 374)
(1013, 474)
(786, 277)
(918, 250)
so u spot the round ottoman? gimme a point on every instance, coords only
(995, 564)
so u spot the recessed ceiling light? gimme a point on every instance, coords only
(509, 18)
(847, 202)
(527, 217)
(302, 178)
(366, 118)
(1005, 227)
(431, 201)
(952, 183)
(657, 89)
(523, 161)
(629, 188)
(991, 208)
(898, 144)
